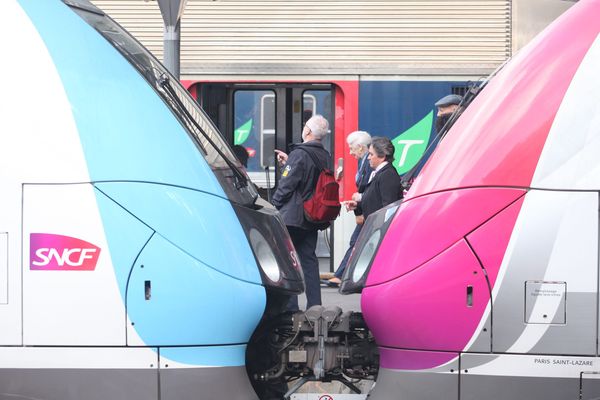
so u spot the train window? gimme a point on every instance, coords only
(267, 130)
(318, 102)
(309, 107)
(460, 90)
(254, 128)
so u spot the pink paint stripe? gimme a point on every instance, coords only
(428, 309)
(428, 225)
(491, 240)
(498, 140)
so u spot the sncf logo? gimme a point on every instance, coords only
(48, 252)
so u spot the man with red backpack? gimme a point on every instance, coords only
(305, 167)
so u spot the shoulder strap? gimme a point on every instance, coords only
(313, 158)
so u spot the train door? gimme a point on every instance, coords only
(265, 117)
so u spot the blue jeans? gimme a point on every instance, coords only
(340, 271)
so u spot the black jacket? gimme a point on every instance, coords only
(363, 174)
(298, 181)
(362, 177)
(384, 189)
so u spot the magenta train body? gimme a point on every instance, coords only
(485, 281)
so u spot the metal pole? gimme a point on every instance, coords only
(172, 48)
(171, 11)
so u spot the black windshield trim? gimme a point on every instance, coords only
(85, 6)
(165, 83)
(235, 183)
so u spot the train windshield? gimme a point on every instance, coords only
(473, 90)
(217, 153)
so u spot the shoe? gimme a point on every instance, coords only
(325, 282)
(334, 282)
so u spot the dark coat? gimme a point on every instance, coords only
(298, 182)
(363, 174)
(384, 189)
(362, 177)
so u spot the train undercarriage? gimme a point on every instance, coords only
(322, 344)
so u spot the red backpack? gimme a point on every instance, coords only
(323, 206)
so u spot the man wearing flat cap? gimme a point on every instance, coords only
(446, 106)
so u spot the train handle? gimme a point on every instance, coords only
(268, 182)
(339, 171)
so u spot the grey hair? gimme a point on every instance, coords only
(383, 147)
(359, 138)
(318, 125)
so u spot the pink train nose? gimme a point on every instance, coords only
(430, 283)
(427, 226)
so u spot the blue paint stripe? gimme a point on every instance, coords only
(126, 130)
(204, 226)
(189, 304)
(128, 134)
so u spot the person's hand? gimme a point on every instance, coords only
(281, 157)
(357, 197)
(360, 219)
(350, 205)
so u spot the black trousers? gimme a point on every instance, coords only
(305, 242)
(340, 271)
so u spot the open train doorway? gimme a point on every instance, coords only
(264, 117)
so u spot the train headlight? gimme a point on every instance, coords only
(365, 257)
(264, 255)
(365, 249)
(272, 247)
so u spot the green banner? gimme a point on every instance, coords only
(241, 134)
(411, 144)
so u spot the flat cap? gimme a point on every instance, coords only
(449, 100)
